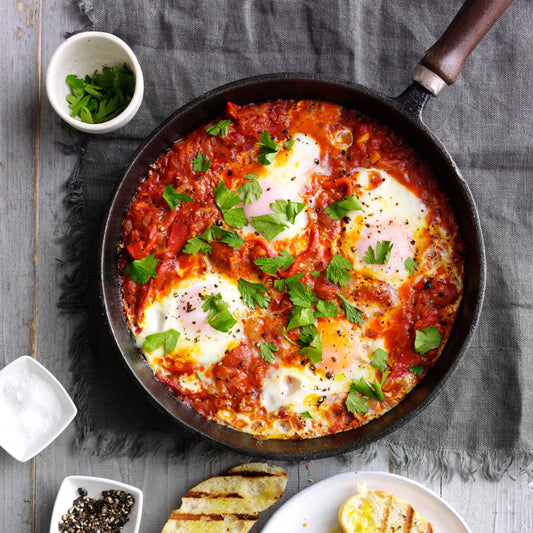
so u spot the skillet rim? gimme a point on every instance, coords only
(306, 449)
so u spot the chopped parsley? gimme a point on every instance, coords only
(355, 402)
(287, 208)
(141, 270)
(353, 314)
(266, 350)
(253, 294)
(382, 254)
(281, 284)
(221, 128)
(195, 245)
(326, 309)
(168, 339)
(312, 341)
(271, 225)
(379, 360)
(219, 317)
(410, 265)
(250, 190)
(200, 163)
(268, 149)
(306, 414)
(271, 265)
(416, 370)
(229, 237)
(337, 270)
(226, 200)
(427, 339)
(300, 295)
(289, 144)
(174, 198)
(102, 96)
(338, 210)
(300, 316)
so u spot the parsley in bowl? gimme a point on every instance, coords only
(94, 82)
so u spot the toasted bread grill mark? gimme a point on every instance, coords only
(251, 473)
(211, 517)
(386, 514)
(201, 494)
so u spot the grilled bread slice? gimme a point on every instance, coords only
(376, 511)
(229, 503)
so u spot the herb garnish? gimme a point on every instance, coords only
(379, 360)
(300, 316)
(226, 201)
(254, 293)
(168, 339)
(326, 309)
(221, 128)
(306, 414)
(338, 210)
(382, 254)
(174, 198)
(312, 341)
(337, 270)
(271, 265)
(353, 314)
(250, 190)
(300, 295)
(271, 225)
(266, 350)
(410, 265)
(200, 163)
(426, 339)
(219, 317)
(416, 370)
(229, 237)
(268, 149)
(101, 97)
(141, 270)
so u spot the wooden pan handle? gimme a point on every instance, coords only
(446, 57)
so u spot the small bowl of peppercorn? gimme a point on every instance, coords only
(93, 504)
(94, 82)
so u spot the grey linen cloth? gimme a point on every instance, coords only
(482, 419)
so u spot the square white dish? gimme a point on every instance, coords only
(34, 408)
(68, 492)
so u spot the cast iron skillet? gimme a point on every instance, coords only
(440, 66)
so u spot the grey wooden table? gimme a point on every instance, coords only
(32, 176)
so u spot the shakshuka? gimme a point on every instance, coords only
(291, 269)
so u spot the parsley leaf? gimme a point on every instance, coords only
(200, 163)
(353, 314)
(253, 293)
(195, 245)
(306, 414)
(229, 237)
(272, 264)
(199, 375)
(427, 339)
(300, 316)
(174, 198)
(372, 390)
(355, 402)
(267, 350)
(221, 128)
(338, 210)
(379, 360)
(250, 190)
(416, 370)
(141, 270)
(310, 336)
(300, 296)
(269, 225)
(326, 309)
(226, 200)
(288, 208)
(410, 265)
(382, 254)
(289, 144)
(268, 149)
(281, 284)
(100, 97)
(337, 270)
(168, 339)
(219, 317)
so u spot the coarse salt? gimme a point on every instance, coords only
(31, 410)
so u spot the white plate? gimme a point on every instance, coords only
(314, 510)
(94, 486)
(34, 408)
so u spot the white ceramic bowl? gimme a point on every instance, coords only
(85, 53)
(68, 492)
(34, 408)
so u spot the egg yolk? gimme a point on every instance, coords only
(341, 347)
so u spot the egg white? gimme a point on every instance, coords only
(182, 311)
(391, 212)
(286, 178)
